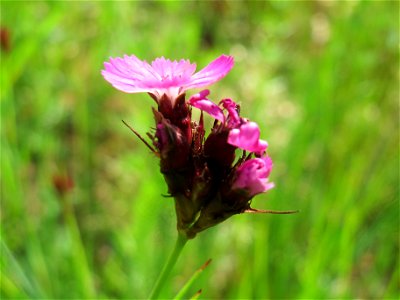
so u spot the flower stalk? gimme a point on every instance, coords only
(166, 271)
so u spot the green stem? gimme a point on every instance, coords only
(180, 243)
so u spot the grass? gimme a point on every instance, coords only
(320, 78)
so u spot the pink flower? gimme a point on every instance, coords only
(163, 76)
(247, 137)
(252, 176)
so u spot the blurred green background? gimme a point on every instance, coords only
(82, 214)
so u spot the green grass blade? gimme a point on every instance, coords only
(181, 294)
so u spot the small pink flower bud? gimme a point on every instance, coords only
(252, 176)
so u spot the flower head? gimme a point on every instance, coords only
(207, 181)
(163, 76)
(252, 176)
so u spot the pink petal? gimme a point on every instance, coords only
(247, 137)
(232, 108)
(201, 102)
(127, 74)
(201, 95)
(175, 72)
(213, 72)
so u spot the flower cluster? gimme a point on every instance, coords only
(204, 176)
